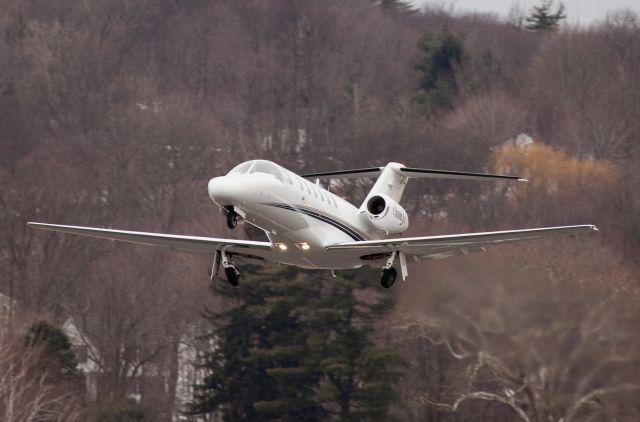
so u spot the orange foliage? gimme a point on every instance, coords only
(551, 171)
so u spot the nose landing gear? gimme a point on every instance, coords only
(232, 216)
(232, 219)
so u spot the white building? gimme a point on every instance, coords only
(85, 354)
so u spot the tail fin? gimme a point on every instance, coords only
(391, 182)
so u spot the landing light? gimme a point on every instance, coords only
(282, 246)
(304, 246)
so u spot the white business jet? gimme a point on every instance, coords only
(310, 227)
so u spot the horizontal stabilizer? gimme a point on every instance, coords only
(410, 173)
(346, 174)
(458, 175)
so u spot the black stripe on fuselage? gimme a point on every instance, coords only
(324, 218)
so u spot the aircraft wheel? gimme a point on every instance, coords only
(388, 277)
(232, 219)
(232, 275)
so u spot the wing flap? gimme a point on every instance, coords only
(173, 241)
(437, 247)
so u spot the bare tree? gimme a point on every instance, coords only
(30, 391)
(549, 342)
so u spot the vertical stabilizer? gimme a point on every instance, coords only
(391, 183)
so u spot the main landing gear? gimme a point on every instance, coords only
(233, 275)
(230, 270)
(389, 274)
(388, 277)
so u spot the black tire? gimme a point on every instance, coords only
(232, 219)
(232, 275)
(388, 277)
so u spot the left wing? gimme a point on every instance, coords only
(436, 247)
(173, 241)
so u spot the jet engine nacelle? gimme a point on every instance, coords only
(386, 214)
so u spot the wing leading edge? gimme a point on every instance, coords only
(173, 241)
(436, 247)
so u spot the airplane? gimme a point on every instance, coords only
(310, 227)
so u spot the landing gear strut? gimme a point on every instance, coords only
(230, 270)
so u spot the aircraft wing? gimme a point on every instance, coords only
(437, 247)
(194, 244)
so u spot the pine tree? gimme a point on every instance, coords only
(56, 344)
(358, 375)
(235, 382)
(400, 7)
(297, 348)
(441, 55)
(288, 354)
(541, 17)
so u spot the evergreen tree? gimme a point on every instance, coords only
(288, 355)
(359, 375)
(295, 348)
(441, 55)
(542, 18)
(400, 7)
(234, 381)
(56, 344)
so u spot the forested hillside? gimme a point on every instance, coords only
(116, 113)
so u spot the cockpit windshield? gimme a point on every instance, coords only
(241, 168)
(258, 166)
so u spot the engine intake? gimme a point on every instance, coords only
(376, 205)
(386, 214)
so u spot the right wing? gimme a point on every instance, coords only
(195, 244)
(436, 247)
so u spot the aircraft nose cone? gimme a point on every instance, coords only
(221, 192)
